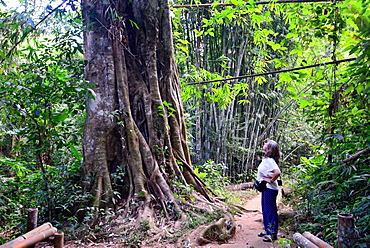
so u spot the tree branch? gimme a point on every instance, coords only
(356, 155)
(277, 120)
(275, 72)
(27, 31)
(205, 5)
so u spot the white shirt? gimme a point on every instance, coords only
(265, 169)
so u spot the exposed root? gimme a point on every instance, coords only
(145, 217)
(145, 223)
(239, 208)
(220, 231)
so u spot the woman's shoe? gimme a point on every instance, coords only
(262, 234)
(269, 238)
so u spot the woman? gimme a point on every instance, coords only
(269, 171)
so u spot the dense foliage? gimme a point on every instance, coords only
(42, 113)
(338, 174)
(323, 105)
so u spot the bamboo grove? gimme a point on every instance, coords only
(314, 103)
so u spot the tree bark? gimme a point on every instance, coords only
(134, 121)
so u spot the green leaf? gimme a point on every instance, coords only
(75, 153)
(199, 174)
(291, 35)
(354, 110)
(304, 103)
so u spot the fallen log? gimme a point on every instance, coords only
(34, 239)
(317, 241)
(240, 186)
(29, 234)
(303, 242)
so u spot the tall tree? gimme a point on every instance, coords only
(134, 124)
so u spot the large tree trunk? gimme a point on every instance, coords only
(134, 123)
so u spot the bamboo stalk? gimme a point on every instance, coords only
(59, 240)
(31, 233)
(32, 220)
(347, 234)
(34, 239)
(317, 241)
(303, 242)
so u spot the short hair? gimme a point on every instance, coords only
(272, 151)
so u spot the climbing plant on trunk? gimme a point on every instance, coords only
(134, 125)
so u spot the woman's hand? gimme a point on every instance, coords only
(276, 174)
(268, 179)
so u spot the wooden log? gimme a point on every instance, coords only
(303, 242)
(59, 240)
(34, 239)
(248, 185)
(32, 220)
(317, 241)
(31, 233)
(240, 186)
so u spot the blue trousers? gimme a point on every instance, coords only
(269, 211)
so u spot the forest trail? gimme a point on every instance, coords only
(249, 224)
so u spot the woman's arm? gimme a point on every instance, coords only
(275, 175)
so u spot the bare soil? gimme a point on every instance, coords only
(248, 226)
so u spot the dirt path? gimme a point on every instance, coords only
(248, 226)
